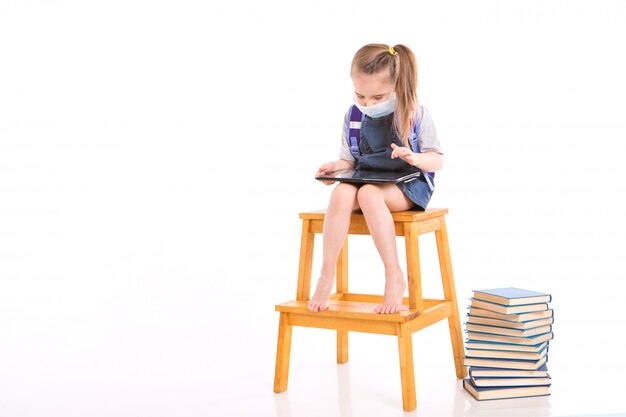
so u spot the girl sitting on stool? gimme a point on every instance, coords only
(396, 133)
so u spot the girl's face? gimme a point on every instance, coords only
(372, 89)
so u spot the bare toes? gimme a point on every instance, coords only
(390, 309)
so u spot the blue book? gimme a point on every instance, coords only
(503, 309)
(506, 331)
(523, 325)
(485, 372)
(508, 381)
(487, 345)
(497, 393)
(512, 340)
(511, 296)
(516, 318)
(506, 354)
(505, 363)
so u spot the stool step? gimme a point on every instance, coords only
(355, 306)
(347, 309)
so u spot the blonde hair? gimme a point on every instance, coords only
(401, 66)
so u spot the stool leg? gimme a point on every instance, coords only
(306, 262)
(454, 323)
(405, 346)
(342, 287)
(281, 373)
(414, 277)
(342, 346)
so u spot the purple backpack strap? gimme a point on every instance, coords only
(355, 117)
(415, 132)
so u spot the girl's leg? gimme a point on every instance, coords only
(336, 223)
(377, 202)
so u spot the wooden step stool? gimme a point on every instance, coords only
(355, 312)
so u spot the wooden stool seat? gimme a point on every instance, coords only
(355, 312)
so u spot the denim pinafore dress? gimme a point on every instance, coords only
(376, 137)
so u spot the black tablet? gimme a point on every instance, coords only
(369, 177)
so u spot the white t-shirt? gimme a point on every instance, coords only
(427, 138)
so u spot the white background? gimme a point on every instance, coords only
(154, 157)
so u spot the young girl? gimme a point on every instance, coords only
(385, 83)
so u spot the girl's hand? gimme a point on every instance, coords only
(324, 169)
(405, 153)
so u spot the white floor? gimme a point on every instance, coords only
(160, 352)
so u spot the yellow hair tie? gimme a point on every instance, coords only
(392, 51)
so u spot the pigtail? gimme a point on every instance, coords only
(406, 92)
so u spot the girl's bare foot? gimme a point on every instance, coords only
(394, 292)
(319, 302)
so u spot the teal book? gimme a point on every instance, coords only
(505, 363)
(511, 347)
(505, 331)
(509, 381)
(497, 393)
(504, 309)
(485, 372)
(512, 340)
(506, 354)
(516, 318)
(511, 296)
(525, 325)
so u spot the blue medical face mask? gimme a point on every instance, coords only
(380, 109)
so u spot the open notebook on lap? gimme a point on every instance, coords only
(369, 176)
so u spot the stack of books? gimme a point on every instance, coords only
(508, 331)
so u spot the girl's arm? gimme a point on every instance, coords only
(343, 164)
(428, 161)
(334, 166)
